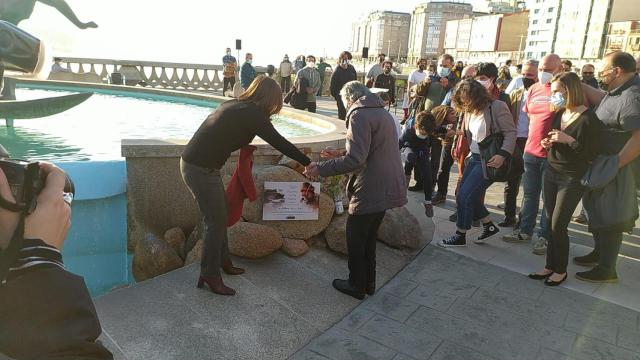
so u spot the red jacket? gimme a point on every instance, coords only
(241, 186)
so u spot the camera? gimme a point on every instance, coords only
(26, 180)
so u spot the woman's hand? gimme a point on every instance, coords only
(496, 161)
(546, 143)
(558, 136)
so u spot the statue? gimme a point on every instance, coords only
(22, 52)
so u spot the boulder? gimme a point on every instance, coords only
(195, 254)
(294, 247)
(176, 238)
(400, 229)
(336, 235)
(302, 229)
(153, 256)
(196, 234)
(253, 241)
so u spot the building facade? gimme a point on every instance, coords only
(543, 22)
(623, 36)
(428, 23)
(383, 32)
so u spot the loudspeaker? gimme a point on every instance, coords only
(238, 44)
(365, 52)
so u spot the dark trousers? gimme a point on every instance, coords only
(342, 111)
(419, 160)
(285, 83)
(512, 187)
(445, 170)
(230, 81)
(562, 193)
(607, 246)
(434, 165)
(208, 190)
(362, 234)
(311, 107)
(470, 197)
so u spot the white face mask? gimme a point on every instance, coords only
(420, 136)
(228, 52)
(311, 64)
(486, 83)
(545, 77)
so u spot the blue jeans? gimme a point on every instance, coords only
(532, 187)
(469, 198)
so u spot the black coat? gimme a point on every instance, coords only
(340, 77)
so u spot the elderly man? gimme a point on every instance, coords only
(376, 181)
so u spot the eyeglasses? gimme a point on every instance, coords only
(587, 73)
(607, 71)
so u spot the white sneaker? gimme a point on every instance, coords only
(540, 246)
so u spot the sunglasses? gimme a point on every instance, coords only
(587, 72)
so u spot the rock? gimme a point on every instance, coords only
(294, 247)
(317, 241)
(176, 238)
(195, 255)
(303, 229)
(196, 234)
(153, 256)
(400, 229)
(253, 240)
(336, 235)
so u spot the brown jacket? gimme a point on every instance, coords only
(503, 123)
(377, 180)
(515, 97)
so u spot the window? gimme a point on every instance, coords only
(536, 11)
(549, 21)
(534, 22)
(550, 9)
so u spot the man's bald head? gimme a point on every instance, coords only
(551, 64)
(469, 72)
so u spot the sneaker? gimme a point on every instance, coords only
(580, 219)
(488, 230)
(438, 199)
(540, 247)
(453, 217)
(502, 205)
(591, 259)
(428, 209)
(516, 237)
(455, 240)
(598, 275)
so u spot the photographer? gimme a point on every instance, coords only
(46, 312)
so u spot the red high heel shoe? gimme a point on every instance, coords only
(228, 268)
(216, 285)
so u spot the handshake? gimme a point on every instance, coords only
(311, 171)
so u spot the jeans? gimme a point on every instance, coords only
(208, 190)
(532, 187)
(285, 83)
(419, 160)
(362, 234)
(562, 193)
(445, 170)
(230, 81)
(470, 197)
(512, 187)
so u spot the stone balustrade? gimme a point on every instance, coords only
(168, 75)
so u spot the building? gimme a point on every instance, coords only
(383, 32)
(543, 22)
(428, 22)
(488, 38)
(623, 36)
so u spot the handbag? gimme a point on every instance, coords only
(511, 167)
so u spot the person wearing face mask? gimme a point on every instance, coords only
(376, 70)
(619, 110)
(571, 145)
(387, 81)
(415, 144)
(588, 76)
(344, 73)
(414, 78)
(248, 72)
(376, 182)
(310, 73)
(229, 66)
(285, 70)
(458, 69)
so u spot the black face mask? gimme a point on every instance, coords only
(422, 67)
(528, 82)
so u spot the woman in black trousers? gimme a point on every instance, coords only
(233, 125)
(344, 73)
(571, 145)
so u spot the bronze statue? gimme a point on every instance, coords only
(14, 11)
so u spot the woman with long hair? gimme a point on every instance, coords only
(482, 116)
(571, 145)
(233, 125)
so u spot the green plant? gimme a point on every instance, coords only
(334, 186)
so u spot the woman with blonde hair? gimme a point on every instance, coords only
(571, 145)
(234, 124)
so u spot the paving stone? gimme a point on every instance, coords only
(402, 357)
(521, 285)
(431, 296)
(592, 349)
(412, 342)
(450, 351)
(307, 355)
(390, 306)
(339, 344)
(546, 354)
(594, 328)
(354, 320)
(629, 339)
(399, 287)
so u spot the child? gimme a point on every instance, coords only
(415, 144)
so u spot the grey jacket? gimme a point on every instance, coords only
(313, 77)
(377, 181)
(503, 123)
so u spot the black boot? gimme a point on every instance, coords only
(345, 287)
(591, 259)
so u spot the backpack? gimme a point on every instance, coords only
(297, 96)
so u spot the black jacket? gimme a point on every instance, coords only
(385, 81)
(340, 77)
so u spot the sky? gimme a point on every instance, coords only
(198, 31)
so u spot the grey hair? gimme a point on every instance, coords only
(354, 90)
(532, 62)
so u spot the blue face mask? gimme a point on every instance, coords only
(443, 71)
(558, 100)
